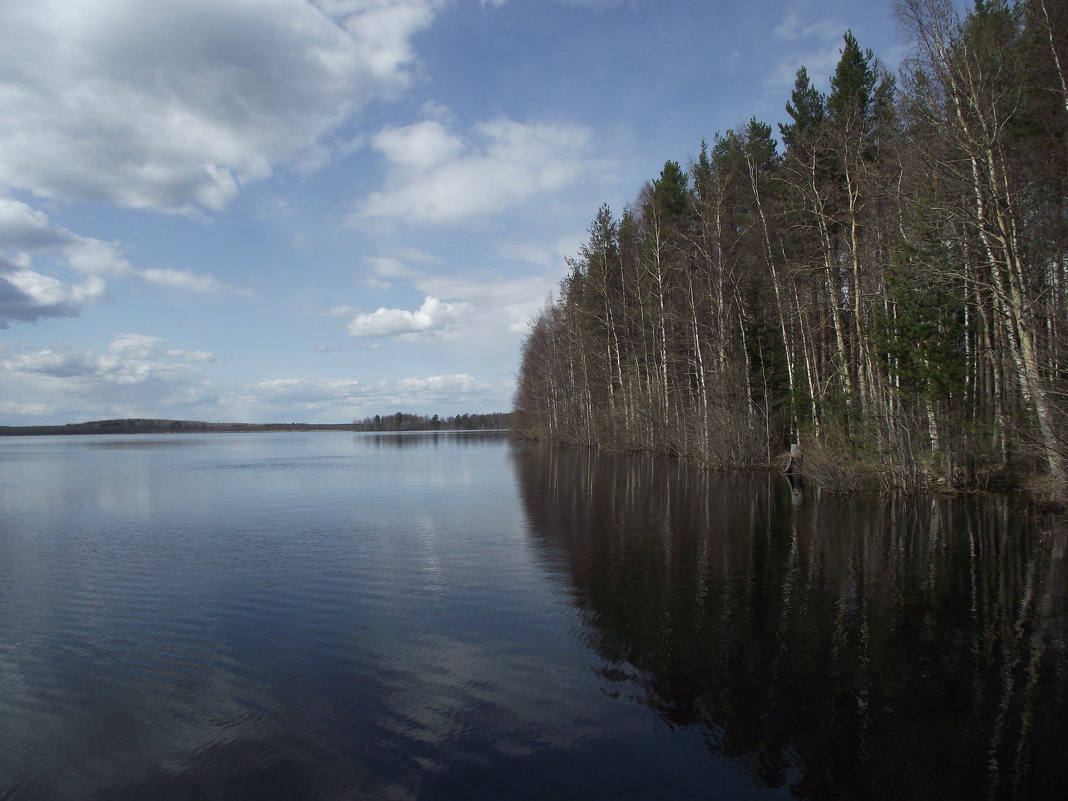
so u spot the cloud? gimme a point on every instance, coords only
(137, 375)
(819, 64)
(498, 308)
(814, 44)
(28, 296)
(596, 4)
(542, 254)
(433, 318)
(188, 281)
(308, 390)
(391, 267)
(421, 146)
(439, 387)
(437, 176)
(131, 359)
(25, 229)
(323, 394)
(792, 28)
(173, 105)
(143, 346)
(487, 308)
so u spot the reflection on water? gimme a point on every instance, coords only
(402, 439)
(301, 616)
(454, 616)
(842, 647)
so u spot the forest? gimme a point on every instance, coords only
(883, 282)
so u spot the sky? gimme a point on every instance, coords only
(321, 210)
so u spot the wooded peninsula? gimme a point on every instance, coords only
(888, 290)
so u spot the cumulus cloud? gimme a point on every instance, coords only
(144, 346)
(491, 308)
(434, 317)
(498, 306)
(28, 296)
(136, 375)
(438, 176)
(421, 146)
(26, 229)
(130, 359)
(172, 105)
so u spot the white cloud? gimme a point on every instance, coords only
(814, 44)
(24, 228)
(136, 376)
(172, 105)
(498, 307)
(96, 257)
(188, 281)
(28, 296)
(134, 346)
(489, 308)
(64, 361)
(130, 359)
(308, 390)
(345, 395)
(391, 267)
(433, 318)
(421, 146)
(440, 386)
(144, 346)
(437, 176)
(382, 30)
(792, 27)
(339, 311)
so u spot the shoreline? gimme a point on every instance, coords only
(152, 426)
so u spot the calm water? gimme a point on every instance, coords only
(453, 616)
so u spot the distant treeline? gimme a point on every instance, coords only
(415, 422)
(145, 426)
(396, 422)
(888, 287)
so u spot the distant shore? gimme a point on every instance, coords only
(145, 426)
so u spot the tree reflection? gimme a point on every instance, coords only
(844, 647)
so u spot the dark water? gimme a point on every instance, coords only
(337, 616)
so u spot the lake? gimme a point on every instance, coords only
(457, 615)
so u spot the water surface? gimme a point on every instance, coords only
(450, 616)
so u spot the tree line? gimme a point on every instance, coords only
(887, 288)
(403, 421)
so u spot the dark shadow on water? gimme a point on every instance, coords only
(409, 439)
(841, 647)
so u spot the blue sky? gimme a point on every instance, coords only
(297, 210)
